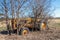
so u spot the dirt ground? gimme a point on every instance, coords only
(52, 34)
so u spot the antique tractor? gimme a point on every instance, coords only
(24, 25)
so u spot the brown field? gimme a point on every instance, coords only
(52, 34)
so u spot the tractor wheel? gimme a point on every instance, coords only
(24, 31)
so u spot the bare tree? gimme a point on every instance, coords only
(40, 9)
(11, 7)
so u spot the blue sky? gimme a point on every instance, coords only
(56, 4)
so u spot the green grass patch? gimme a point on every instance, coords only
(54, 25)
(57, 24)
(3, 28)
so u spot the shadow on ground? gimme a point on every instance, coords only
(4, 32)
(7, 32)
